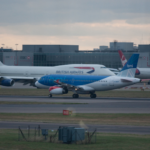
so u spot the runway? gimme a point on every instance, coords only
(99, 128)
(81, 105)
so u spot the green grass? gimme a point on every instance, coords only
(109, 119)
(44, 92)
(9, 141)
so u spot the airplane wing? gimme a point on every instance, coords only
(83, 88)
(24, 80)
(68, 86)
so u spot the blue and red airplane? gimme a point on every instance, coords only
(89, 84)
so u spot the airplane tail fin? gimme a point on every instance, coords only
(122, 57)
(130, 67)
(1, 64)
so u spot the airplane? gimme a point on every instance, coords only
(61, 84)
(142, 73)
(115, 71)
(30, 74)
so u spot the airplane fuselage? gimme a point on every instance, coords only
(88, 83)
(37, 72)
(143, 73)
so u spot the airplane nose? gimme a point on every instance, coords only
(37, 84)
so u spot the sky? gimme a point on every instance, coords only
(87, 23)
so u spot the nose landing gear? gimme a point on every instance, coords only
(93, 95)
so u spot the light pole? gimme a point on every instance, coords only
(3, 45)
(16, 46)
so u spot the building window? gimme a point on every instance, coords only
(22, 57)
(40, 49)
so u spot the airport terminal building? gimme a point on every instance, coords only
(53, 55)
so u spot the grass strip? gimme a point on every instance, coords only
(37, 103)
(44, 92)
(97, 118)
(9, 140)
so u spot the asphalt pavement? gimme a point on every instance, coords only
(81, 105)
(99, 128)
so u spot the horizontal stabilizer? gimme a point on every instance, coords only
(125, 80)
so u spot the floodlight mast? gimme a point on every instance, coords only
(3, 45)
(16, 46)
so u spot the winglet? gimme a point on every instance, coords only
(130, 67)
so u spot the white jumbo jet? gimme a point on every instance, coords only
(142, 73)
(61, 84)
(30, 74)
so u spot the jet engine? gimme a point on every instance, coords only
(6, 82)
(57, 90)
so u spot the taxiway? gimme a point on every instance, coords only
(81, 105)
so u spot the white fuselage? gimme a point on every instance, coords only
(144, 73)
(111, 83)
(37, 72)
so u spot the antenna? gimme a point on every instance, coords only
(3, 45)
(115, 44)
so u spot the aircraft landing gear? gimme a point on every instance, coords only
(75, 96)
(50, 95)
(93, 95)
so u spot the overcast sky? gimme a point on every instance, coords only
(87, 23)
